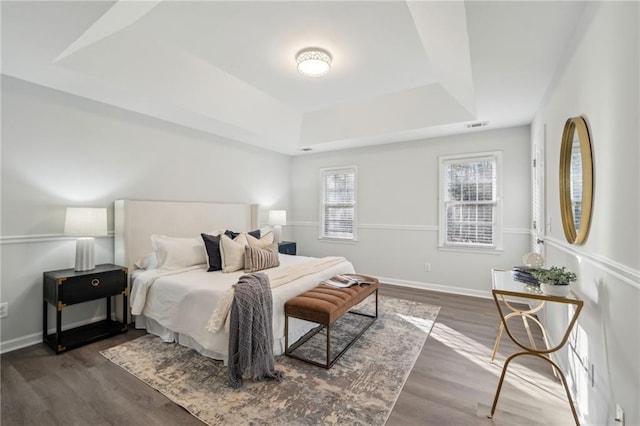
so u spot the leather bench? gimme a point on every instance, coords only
(324, 305)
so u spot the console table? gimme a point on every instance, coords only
(505, 293)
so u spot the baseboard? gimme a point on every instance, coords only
(20, 342)
(437, 287)
(35, 338)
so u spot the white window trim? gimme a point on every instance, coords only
(498, 240)
(324, 170)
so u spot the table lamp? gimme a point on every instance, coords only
(277, 218)
(86, 223)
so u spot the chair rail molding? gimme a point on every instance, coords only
(41, 238)
(406, 227)
(624, 273)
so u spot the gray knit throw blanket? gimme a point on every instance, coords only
(251, 331)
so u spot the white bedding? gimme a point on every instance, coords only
(177, 307)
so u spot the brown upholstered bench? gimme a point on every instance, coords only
(324, 305)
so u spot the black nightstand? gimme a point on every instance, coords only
(68, 287)
(287, 247)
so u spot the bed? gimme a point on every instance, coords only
(178, 305)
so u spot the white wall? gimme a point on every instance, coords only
(398, 210)
(60, 150)
(601, 82)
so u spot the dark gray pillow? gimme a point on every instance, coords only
(232, 234)
(212, 244)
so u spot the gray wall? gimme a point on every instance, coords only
(600, 81)
(398, 210)
(60, 150)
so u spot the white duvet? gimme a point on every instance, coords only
(177, 305)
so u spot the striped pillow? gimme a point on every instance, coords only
(257, 259)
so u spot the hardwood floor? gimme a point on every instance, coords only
(452, 382)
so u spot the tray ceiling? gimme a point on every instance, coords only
(400, 70)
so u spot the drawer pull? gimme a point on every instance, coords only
(95, 282)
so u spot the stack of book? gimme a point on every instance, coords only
(342, 281)
(523, 275)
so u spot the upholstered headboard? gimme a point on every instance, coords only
(135, 222)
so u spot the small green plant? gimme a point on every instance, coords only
(555, 276)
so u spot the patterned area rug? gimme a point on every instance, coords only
(361, 388)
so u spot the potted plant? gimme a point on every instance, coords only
(555, 281)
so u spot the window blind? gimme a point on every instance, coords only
(576, 184)
(470, 192)
(338, 203)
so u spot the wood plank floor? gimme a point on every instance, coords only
(452, 382)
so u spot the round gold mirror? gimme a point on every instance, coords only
(576, 180)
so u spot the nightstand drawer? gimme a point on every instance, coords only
(91, 287)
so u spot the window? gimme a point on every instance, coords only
(469, 201)
(338, 203)
(575, 183)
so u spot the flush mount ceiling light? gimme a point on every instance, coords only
(313, 62)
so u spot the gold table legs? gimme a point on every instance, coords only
(555, 369)
(501, 295)
(526, 315)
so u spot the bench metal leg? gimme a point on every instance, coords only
(286, 335)
(328, 346)
(329, 362)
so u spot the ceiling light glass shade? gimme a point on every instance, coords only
(313, 62)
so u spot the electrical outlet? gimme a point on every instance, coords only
(4, 310)
(427, 267)
(619, 415)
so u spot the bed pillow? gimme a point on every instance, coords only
(233, 235)
(212, 246)
(149, 261)
(262, 242)
(257, 259)
(232, 252)
(178, 253)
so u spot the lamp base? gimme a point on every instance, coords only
(85, 254)
(277, 234)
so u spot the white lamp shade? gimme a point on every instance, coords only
(85, 222)
(277, 217)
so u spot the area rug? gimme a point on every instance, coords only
(361, 388)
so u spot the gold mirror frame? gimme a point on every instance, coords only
(576, 125)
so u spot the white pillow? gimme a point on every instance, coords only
(265, 230)
(149, 261)
(232, 252)
(265, 240)
(178, 253)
